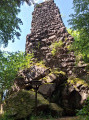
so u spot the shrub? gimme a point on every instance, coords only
(84, 112)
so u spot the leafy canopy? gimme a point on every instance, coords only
(9, 22)
(80, 22)
(81, 50)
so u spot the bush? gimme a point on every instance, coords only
(55, 47)
(84, 112)
(5, 117)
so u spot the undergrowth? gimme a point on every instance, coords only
(84, 112)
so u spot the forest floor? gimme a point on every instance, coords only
(65, 118)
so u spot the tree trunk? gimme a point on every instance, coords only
(1, 104)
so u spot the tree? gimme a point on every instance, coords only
(29, 2)
(10, 64)
(9, 22)
(80, 22)
(80, 50)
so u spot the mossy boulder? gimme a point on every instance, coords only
(22, 104)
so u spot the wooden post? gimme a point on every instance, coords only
(36, 83)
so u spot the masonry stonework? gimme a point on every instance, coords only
(48, 28)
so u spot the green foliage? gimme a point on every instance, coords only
(80, 22)
(79, 46)
(9, 22)
(55, 47)
(5, 117)
(10, 64)
(80, 19)
(42, 117)
(84, 112)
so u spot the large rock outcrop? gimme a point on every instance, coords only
(61, 80)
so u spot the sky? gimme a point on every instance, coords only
(65, 7)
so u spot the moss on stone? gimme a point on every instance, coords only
(49, 78)
(55, 47)
(53, 75)
(40, 63)
(74, 81)
(22, 104)
(56, 72)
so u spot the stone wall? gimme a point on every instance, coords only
(48, 28)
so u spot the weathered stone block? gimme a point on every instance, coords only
(47, 89)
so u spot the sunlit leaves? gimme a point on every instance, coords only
(81, 44)
(80, 22)
(10, 64)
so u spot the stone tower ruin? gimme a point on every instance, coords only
(61, 81)
(48, 28)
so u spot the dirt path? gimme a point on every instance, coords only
(65, 118)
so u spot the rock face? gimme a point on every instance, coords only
(74, 94)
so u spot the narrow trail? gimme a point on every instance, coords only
(65, 118)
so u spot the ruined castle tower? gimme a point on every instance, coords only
(50, 42)
(48, 30)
